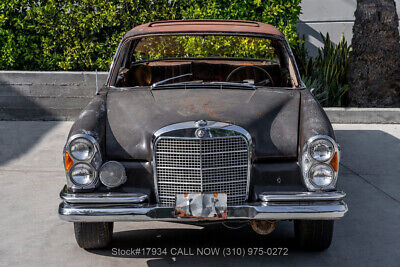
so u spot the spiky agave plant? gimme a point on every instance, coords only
(327, 73)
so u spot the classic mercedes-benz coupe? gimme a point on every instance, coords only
(199, 121)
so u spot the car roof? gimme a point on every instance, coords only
(206, 26)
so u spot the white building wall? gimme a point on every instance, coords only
(333, 16)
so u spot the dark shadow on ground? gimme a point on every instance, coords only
(372, 155)
(360, 148)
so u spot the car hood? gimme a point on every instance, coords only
(271, 116)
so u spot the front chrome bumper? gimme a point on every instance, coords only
(112, 207)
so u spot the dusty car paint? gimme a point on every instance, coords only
(91, 120)
(270, 115)
(313, 119)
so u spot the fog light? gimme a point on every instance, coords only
(112, 174)
(82, 174)
(321, 175)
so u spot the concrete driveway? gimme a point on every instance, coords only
(31, 176)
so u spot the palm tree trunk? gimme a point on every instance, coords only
(374, 72)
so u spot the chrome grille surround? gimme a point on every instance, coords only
(219, 162)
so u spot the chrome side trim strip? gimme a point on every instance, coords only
(146, 212)
(301, 196)
(102, 198)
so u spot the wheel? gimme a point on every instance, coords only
(93, 235)
(313, 235)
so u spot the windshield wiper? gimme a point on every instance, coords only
(247, 85)
(220, 84)
(170, 79)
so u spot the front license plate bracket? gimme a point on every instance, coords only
(201, 205)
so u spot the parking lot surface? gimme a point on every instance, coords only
(31, 176)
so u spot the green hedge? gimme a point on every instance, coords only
(83, 35)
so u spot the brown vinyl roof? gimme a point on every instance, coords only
(198, 26)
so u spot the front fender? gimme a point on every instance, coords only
(313, 119)
(91, 121)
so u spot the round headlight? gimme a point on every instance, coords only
(112, 174)
(82, 174)
(81, 149)
(321, 175)
(322, 150)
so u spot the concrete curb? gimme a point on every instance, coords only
(364, 115)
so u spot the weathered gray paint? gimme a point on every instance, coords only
(312, 120)
(30, 95)
(270, 115)
(335, 17)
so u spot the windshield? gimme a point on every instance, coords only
(159, 47)
(167, 59)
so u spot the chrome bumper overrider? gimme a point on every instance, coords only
(112, 207)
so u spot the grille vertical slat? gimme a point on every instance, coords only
(210, 165)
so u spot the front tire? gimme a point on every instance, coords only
(313, 235)
(93, 235)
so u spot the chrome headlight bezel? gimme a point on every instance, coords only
(94, 161)
(312, 142)
(74, 181)
(307, 162)
(86, 142)
(311, 179)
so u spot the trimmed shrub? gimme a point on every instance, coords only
(83, 35)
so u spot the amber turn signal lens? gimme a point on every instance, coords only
(68, 161)
(335, 162)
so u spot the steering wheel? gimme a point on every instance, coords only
(268, 79)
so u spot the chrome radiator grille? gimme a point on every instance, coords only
(210, 165)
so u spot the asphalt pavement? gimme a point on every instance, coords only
(31, 176)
